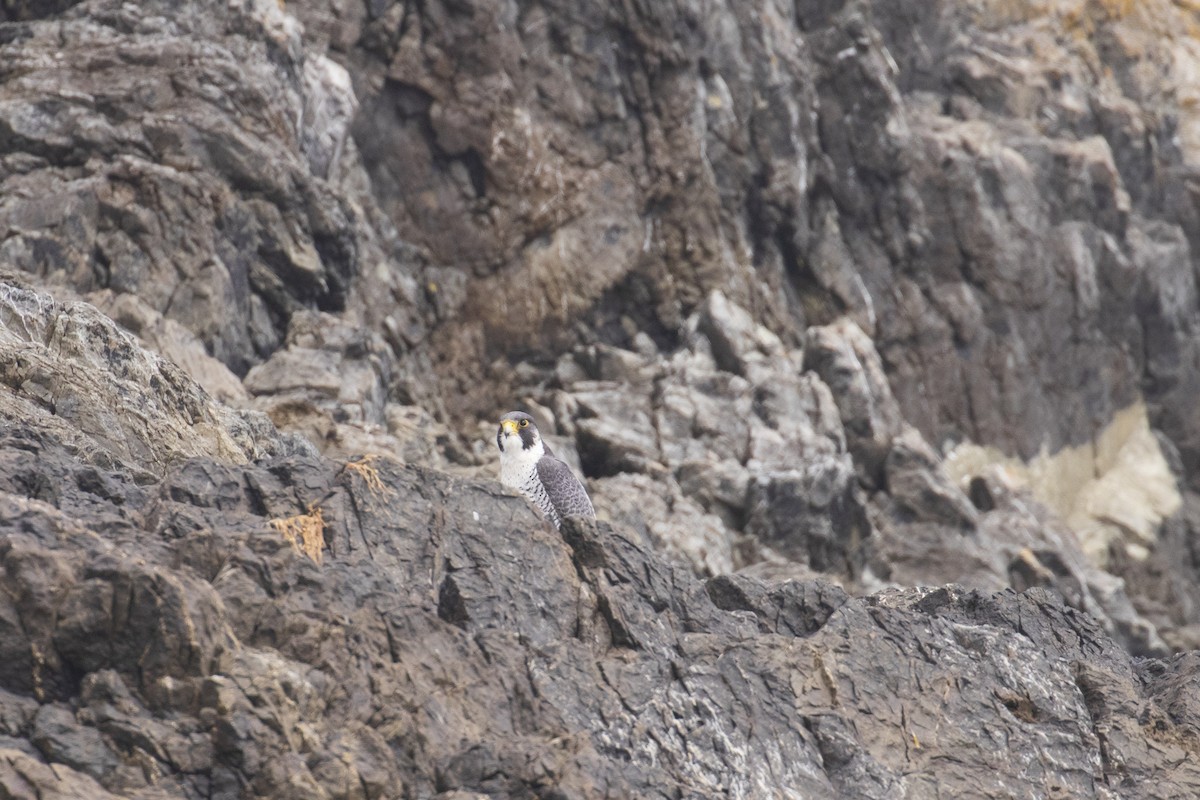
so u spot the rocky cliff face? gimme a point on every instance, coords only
(871, 327)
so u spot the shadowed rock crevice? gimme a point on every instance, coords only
(451, 607)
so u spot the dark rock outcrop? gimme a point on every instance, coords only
(827, 301)
(164, 640)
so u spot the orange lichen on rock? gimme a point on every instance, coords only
(370, 476)
(305, 532)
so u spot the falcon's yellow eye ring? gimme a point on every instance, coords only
(524, 423)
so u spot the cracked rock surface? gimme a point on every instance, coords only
(163, 640)
(870, 327)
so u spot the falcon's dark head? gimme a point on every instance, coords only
(520, 425)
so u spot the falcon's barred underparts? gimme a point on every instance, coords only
(527, 465)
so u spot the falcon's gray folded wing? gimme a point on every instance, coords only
(566, 493)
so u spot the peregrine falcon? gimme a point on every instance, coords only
(527, 465)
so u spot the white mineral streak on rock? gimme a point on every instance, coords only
(1118, 487)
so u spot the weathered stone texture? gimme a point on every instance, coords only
(827, 301)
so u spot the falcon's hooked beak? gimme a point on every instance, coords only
(509, 426)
